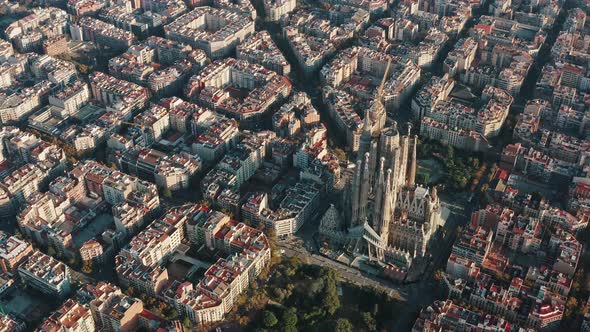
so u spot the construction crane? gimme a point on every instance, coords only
(380, 90)
(379, 108)
(139, 125)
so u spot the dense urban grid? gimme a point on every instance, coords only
(294, 165)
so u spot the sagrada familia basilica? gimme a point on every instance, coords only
(385, 217)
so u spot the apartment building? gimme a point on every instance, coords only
(13, 251)
(214, 30)
(112, 310)
(71, 316)
(46, 274)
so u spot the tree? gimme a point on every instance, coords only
(450, 152)
(243, 320)
(290, 329)
(169, 313)
(291, 266)
(163, 306)
(342, 325)
(167, 193)
(330, 302)
(485, 188)
(578, 280)
(257, 301)
(186, 323)
(84, 69)
(369, 321)
(312, 317)
(87, 267)
(72, 261)
(340, 154)
(278, 294)
(438, 275)
(269, 319)
(571, 306)
(130, 291)
(289, 318)
(462, 182)
(316, 286)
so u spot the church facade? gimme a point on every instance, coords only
(384, 217)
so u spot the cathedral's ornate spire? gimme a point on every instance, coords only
(434, 194)
(356, 190)
(413, 164)
(366, 136)
(388, 206)
(365, 189)
(379, 192)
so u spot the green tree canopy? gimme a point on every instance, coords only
(342, 325)
(290, 317)
(290, 329)
(330, 299)
(269, 319)
(369, 321)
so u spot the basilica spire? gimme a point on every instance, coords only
(388, 206)
(355, 193)
(379, 193)
(413, 164)
(365, 187)
(366, 136)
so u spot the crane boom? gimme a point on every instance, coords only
(142, 126)
(380, 91)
